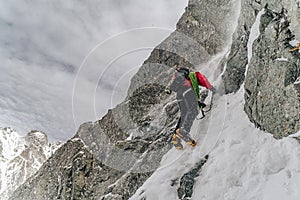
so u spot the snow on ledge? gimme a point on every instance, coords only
(254, 34)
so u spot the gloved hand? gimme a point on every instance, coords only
(213, 90)
(201, 105)
(168, 91)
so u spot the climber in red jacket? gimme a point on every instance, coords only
(186, 85)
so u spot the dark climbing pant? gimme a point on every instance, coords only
(188, 106)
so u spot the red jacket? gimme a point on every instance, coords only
(181, 83)
(202, 80)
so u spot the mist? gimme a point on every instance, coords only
(49, 47)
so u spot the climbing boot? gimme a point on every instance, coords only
(183, 134)
(192, 143)
(176, 141)
(296, 48)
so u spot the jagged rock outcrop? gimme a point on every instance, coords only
(77, 175)
(21, 157)
(238, 57)
(272, 101)
(271, 98)
(91, 166)
(187, 181)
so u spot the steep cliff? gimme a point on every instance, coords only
(113, 157)
(269, 69)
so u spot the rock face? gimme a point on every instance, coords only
(91, 166)
(76, 176)
(187, 181)
(238, 57)
(111, 158)
(272, 101)
(21, 157)
(102, 161)
(127, 144)
(271, 95)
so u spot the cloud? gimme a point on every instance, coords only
(42, 46)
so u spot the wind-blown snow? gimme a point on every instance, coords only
(244, 162)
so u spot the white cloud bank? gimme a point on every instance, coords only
(43, 43)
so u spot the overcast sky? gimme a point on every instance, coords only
(46, 45)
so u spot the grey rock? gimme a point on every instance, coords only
(208, 23)
(187, 181)
(271, 97)
(100, 156)
(237, 60)
(71, 173)
(272, 101)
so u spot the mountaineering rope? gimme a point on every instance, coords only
(206, 135)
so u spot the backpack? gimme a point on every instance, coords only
(194, 80)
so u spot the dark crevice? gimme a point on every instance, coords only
(187, 181)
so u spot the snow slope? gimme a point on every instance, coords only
(11, 145)
(244, 163)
